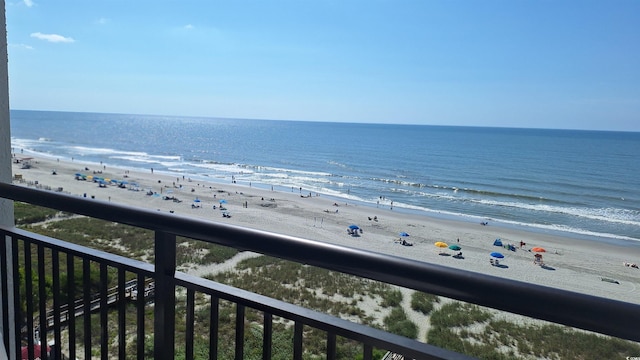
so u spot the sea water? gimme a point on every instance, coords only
(581, 183)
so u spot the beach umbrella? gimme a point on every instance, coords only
(37, 351)
(353, 227)
(404, 234)
(441, 244)
(497, 255)
(538, 249)
(196, 200)
(454, 247)
(79, 175)
(223, 201)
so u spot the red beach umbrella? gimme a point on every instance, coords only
(37, 352)
(538, 249)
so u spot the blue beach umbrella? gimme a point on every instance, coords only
(196, 200)
(223, 201)
(353, 227)
(404, 234)
(497, 255)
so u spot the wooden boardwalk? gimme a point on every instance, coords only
(130, 294)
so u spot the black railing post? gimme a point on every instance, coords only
(164, 296)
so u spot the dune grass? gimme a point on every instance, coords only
(457, 326)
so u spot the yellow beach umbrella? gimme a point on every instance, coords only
(441, 244)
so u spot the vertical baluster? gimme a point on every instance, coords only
(331, 346)
(140, 301)
(368, 352)
(190, 323)
(4, 271)
(213, 327)
(267, 336)
(28, 277)
(19, 316)
(104, 304)
(239, 331)
(42, 293)
(57, 336)
(122, 307)
(297, 341)
(165, 296)
(71, 305)
(86, 314)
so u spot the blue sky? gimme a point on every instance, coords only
(513, 63)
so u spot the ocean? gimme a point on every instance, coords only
(580, 183)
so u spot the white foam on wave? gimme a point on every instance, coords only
(619, 216)
(546, 227)
(610, 215)
(104, 151)
(23, 143)
(226, 168)
(270, 169)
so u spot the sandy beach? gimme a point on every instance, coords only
(571, 264)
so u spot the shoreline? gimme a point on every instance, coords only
(222, 181)
(574, 264)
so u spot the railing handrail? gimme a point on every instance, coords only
(606, 316)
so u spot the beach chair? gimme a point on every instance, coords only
(492, 262)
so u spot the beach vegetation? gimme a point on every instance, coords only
(391, 298)
(492, 338)
(29, 214)
(398, 323)
(423, 302)
(305, 285)
(461, 327)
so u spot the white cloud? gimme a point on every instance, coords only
(29, 3)
(52, 37)
(21, 46)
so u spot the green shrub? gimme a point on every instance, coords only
(423, 302)
(398, 323)
(391, 298)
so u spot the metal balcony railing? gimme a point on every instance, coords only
(59, 306)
